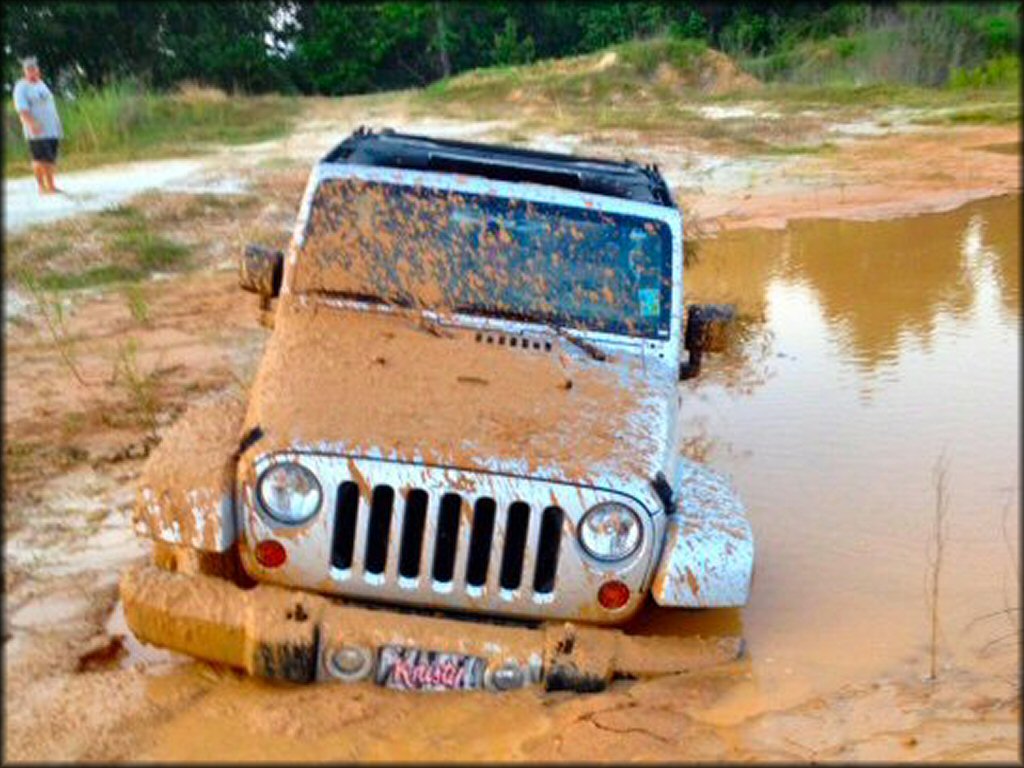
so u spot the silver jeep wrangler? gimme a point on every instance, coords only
(460, 455)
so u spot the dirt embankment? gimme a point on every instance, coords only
(77, 686)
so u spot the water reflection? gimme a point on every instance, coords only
(879, 346)
(879, 285)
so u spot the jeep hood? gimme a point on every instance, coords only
(384, 384)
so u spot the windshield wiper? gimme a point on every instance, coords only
(586, 346)
(558, 330)
(369, 298)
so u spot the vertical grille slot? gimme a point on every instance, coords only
(412, 533)
(480, 541)
(447, 537)
(515, 545)
(345, 519)
(547, 551)
(380, 524)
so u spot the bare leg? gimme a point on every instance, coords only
(48, 173)
(40, 174)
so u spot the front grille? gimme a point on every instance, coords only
(442, 538)
(457, 541)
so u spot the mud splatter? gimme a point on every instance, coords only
(318, 384)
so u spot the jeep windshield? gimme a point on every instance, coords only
(452, 251)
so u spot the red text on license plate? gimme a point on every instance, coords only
(418, 670)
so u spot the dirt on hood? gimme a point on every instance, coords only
(385, 383)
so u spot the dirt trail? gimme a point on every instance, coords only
(78, 688)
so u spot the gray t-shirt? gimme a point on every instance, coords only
(37, 99)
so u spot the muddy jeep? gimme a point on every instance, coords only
(459, 457)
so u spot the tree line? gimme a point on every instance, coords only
(317, 47)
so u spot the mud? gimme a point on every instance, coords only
(199, 479)
(448, 249)
(282, 634)
(864, 177)
(447, 396)
(872, 346)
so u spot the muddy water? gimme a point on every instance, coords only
(879, 347)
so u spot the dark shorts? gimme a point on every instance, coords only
(43, 150)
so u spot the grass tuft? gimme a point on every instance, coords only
(138, 306)
(139, 387)
(131, 245)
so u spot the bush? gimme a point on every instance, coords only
(1000, 71)
(510, 49)
(645, 56)
(908, 43)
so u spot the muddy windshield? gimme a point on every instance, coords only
(493, 256)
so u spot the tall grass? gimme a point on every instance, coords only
(123, 121)
(927, 45)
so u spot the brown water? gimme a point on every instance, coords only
(881, 346)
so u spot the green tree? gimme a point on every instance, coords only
(222, 44)
(85, 41)
(509, 48)
(321, 46)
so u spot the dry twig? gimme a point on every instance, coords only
(940, 474)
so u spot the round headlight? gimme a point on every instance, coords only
(289, 493)
(610, 531)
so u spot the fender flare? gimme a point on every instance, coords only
(707, 559)
(186, 493)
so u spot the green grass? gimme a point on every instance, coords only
(998, 71)
(880, 95)
(151, 251)
(645, 56)
(135, 299)
(94, 277)
(121, 122)
(995, 114)
(128, 242)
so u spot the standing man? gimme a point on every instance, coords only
(40, 123)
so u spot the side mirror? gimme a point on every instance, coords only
(707, 330)
(260, 271)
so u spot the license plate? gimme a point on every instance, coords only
(413, 669)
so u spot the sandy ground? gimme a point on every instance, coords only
(77, 687)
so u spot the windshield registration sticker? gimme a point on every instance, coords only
(650, 302)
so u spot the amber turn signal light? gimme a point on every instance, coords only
(270, 553)
(613, 595)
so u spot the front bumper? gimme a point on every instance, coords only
(290, 635)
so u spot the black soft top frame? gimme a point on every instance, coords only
(386, 148)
